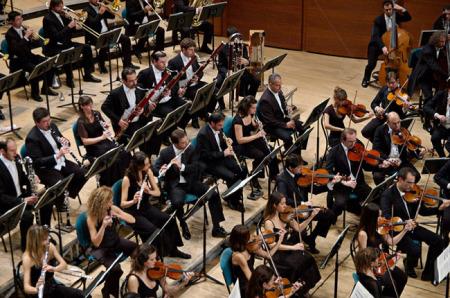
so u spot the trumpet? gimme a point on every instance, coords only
(113, 7)
(154, 10)
(36, 36)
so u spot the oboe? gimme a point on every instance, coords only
(260, 128)
(105, 129)
(230, 147)
(66, 144)
(43, 271)
(141, 191)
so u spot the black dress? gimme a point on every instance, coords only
(337, 121)
(143, 290)
(240, 275)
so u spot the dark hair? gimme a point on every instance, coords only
(4, 143)
(339, 93)
(364, 257)
(39, 114)
(54, 3)
(141, 256)
(274, 200)
(391, 75)
(177, 135)
(239, 237)
(231, 30)
(386, 2)
(136, 164)
(446, 7)
(368, 220)
(403, 173)
(292, 161)
(347, 131)
(216, 117)
(131, 295)
(157, 55)
(83, 101)
(12, 15)
(262, 274)
(126, 72)
(435, 37)
(187, 43)
(245, 104)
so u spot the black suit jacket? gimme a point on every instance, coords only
(146, 79)
(438, 104)
(182, 6)
(439, 24)
(379, 27)
(382, 143)
(269, 112)
(94, 21)
(381, 99)
(207, 147)
(176, 63)
(19, 48)
(287, 185)
(116, 103)
(59, 36)
(223, 62)
(8, 194)
(442, 178)
(391, 198)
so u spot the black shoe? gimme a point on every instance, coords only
(409, 271)
(2, 116)
(236, 206)
(195, 123)
(103, 69)
(255, 194)
(91, 78)
(49, 92)
(365, 84)
(70, 84)
(427, 277)
(133, 66)
(206, 49)
(255, 184)
(179, 254)
(36, 97)
(185, 230)
(219, 232)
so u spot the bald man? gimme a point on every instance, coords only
(398, 156)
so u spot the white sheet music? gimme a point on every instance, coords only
(236, 292)
(360, 292)
(442, 264)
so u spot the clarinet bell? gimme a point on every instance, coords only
(61, 96)
(56, 82)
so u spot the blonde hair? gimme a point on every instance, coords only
(339, 93)
(35, 248)
(98, 202)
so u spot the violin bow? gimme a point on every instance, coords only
(393, 92)
(390, 274)
(406, 140)
(361, 161)
(351, 112)
(421, 196)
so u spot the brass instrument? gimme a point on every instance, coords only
(154, 10)
(36, 36)
(159, 4)
(256, 55)
(236, 51)
(4, 56)
(197, 4)
(113, 7)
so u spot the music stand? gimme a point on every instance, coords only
(7, 83)
(229, 85)
(103, 162)
(213, 10)
(433, 165)
(378, 190)
(142, 135)
(442, 269)
(158, 231)
(272, 63)
(8, 222)
(173, 118)
(180, 20)
(143, 31)
(425, 36)
(107, 40)
(202, 97)
(201, 202)
(100, 277)
(300, 140)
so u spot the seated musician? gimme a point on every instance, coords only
(381, 24)
(264, 281)
(244, 250)
(251, 144)
(272, 112)
(347, 193)
(40, 255)
(97, 139)
(140, 12)
(367, 236)
(20, 42)
(296, 195)
(97, 19)
(393, 203)
(49, 149)
(395, 156)
(141, 282)
(102, 219)
(442, 178)
(218, 156)
(183, 175)
(290, 259)
(381, 106)
(121, 102)
(438, 108)
(15, 187)
(139, 176)
(59, 29)
(205, 26)
(334, 115)
(443, 20)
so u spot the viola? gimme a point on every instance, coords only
(346, 107)
(404, 137)
(386, 225)
(172, 271)
(284, 288)
(318, 177)
(430, 197)
(255, 241)
(385, 262)
(400, 98)
(358, 153)
(302, 212)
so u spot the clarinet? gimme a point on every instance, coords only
(65, 143)
(228, 142)
(260, 128)
(105, 129)
(163, 173)
(141, 191)
(43, 271)
(31, 176)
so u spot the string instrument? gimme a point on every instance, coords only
(301, 212)
(400, 98)
(318, 177)
(385, 262)
(430, 196)
(173, 271)
(405, 138)
(359, 153)
(255, 241)
(394, 224)
(348, 108)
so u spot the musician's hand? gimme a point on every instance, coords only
(290, 124)
(243, 61)
(72, 24)
(298, 246)
(30, 200)
(139, 111)
(422, 152)
(315, 212)
(177, 162)
(105, 135)
(228, 152)
(102, 10)
(399, 8)
(181, 91)
(40, 282)
(148, 9)
(410, 225)
(28, 33)
(107, 221)
(195, 79)
(379, 111)
(49, 268)
(198, 10)
(62, 151)
(395, 162)
(123, 124)
(166, 92)
(385, 164)
(151, 106)
(385, 51)
(281, 234)
(187, 276)
(295, 287)
(441, 118)
(261, 134)
(37, 179)
(445, 204)
(136, 197)
(147, 188)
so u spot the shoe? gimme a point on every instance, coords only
(255, 184)
(138, 55)
(409, 271)
(195, 123)
(48, 92)
(427, 277)
(236, 206)
(91, 78)
(205, 49)
(2, 116)
(70, 84)
(103, 69)
(133, 66)
(219, 232)
(179, 254)
(36, 97)
(185, 230)
(365, 84)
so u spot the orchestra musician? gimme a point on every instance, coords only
(139, 176)
(20, 41)
(381, 24)
(264, 279)
(15, 187)
(333, 120)
(97, 19)
(393, 204)
(442, 21)
(183, 175)
(59, 29)
(48, 149)
(273, 113)
(41, 256)
(102, 217)
(442, 178)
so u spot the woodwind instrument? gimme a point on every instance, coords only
(44, 271)
(260, 128)
(141, 191)
(66, 144)
(163, 172)
(31, 176)
(228, 141)
(105, 129)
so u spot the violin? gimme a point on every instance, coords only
(318, 177)
(385, 262)
(404, 137)
(358, 153)
(385, 225)
(430, 197)
(284, 288)
(255, 240)
(172, 271)
(302, 212)
(400, 98)
(346, 107)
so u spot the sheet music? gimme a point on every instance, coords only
(236, 292)
(442, 265)
(359, 291)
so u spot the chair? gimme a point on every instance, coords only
(78, 141)
(226, 266)
(23, 151)
(355, 277)
(4, 48)
(84, 239)
(228, 126)
(354, 245)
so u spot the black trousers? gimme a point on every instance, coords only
(380, 175)
(151, 146)
(348, 199)
(50, 177)
(410, 244)
(139, 47)
(368, 130)
(25, 223)
(446, 224)
(205, 27)
(440, 133)
(28, 65)
(399, 279)
(52, 289)
(325, 219)
(125, 44)
(248, 84)
(106, 257)
(284, 134)
(257, 150)
(197, 188)
(373, 51)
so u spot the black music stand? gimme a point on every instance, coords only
(179, 21)
(8, 222)
(107, 40)
(40, 70)
(300, 142)
(143, 31)
(262, 165)
(376, 192)
(425, 36)
(314, 116)
(6, 84)
(202, 97)
(201, 202)
(158, 231)
(272, 63)
(142, 135)
(213, 10)
(173, 118)
(103, 162)
(100, 277)
(335, 251)
(229, 84)
(433, 165)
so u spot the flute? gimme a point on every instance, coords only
(141, 191)
(230, 147)
(44, 271)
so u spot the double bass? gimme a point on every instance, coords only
(399, 44)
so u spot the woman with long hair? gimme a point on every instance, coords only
(38, 250)
(102, 218)
(263, 280)
(140, 282)
(291, 259)
(148, 218)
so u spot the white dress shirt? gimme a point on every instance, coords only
(12, 168)
(189, 70)
(402, 194)
(348, 161)
(158, 76)
(131, 98)
(102, 21)
(60, 162)
(394, 153)
(177, 151)
(388, 22)
(277, 97)
(216, 136)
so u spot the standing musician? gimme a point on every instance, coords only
(296, 195)
(381, 24)
(333, 118)
(395, 156)
(138, 186)
(40, 261)
(48, 149)
(182, 175)
(274, 115)
(205, 27)
(102, 218)
(97, 19)
(15, 187)
(442, 178)
(263, 280)
(141, 12)
(381, 106)
(393, 203)
(97, 139)
(20, 42)
(218, 157)
(443, 19)
(58, 27)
